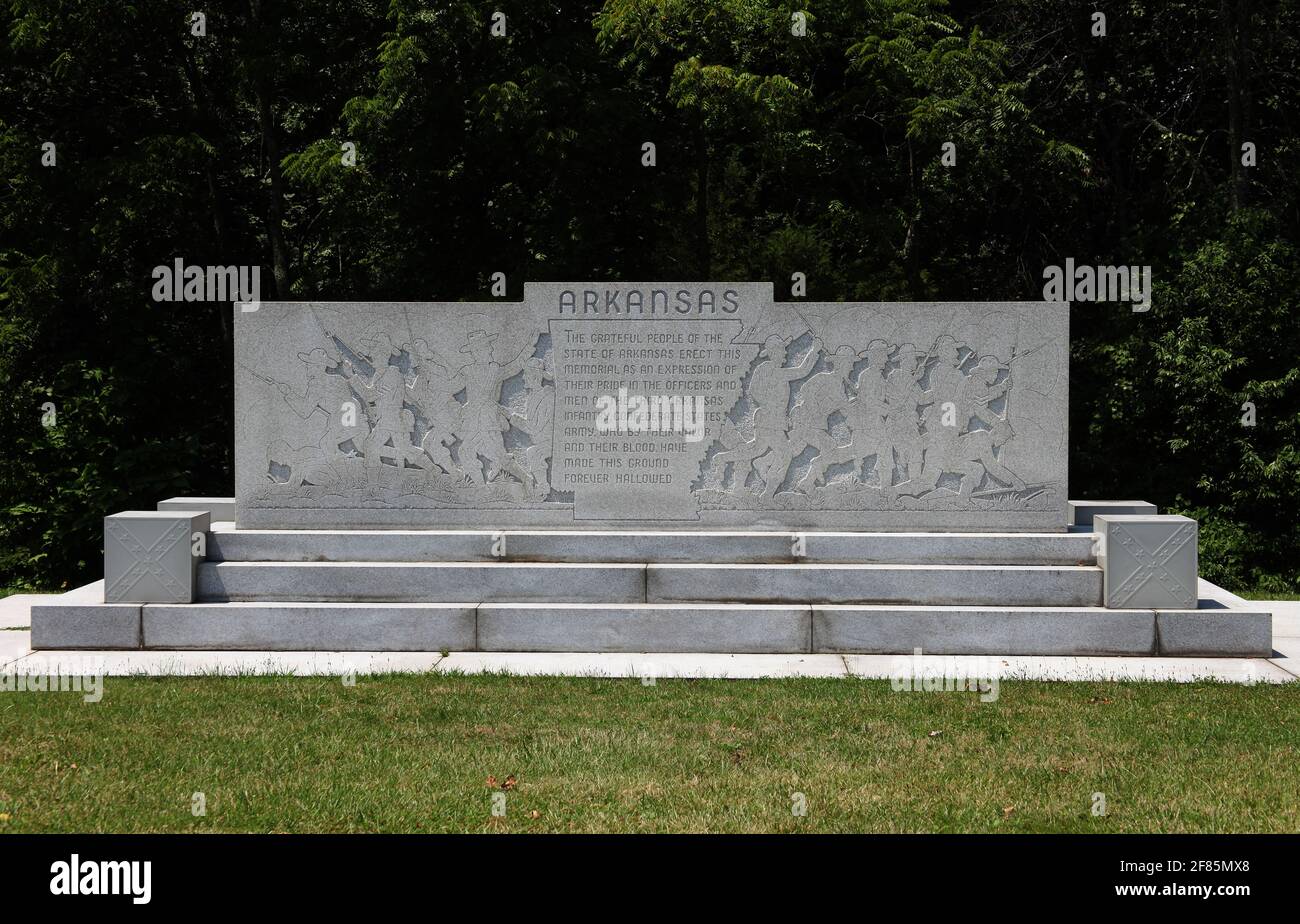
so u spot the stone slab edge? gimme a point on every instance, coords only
(1223, 625)
(80, 619)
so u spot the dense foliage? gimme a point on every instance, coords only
(776, 153)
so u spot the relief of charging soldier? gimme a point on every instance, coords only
(434, 393)
(864, 412)
(882, 415)
(903, 399)
(769, 391)
(483, 418)
(946, 376)
(819, 397)
(535, 421)
(953, 446)
(328, 402)
(386, 393)
(419, 453)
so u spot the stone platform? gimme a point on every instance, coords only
(653, 467)
(1031, 594)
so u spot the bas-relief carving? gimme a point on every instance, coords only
(397, 407)
(910, 407)
(833, 415)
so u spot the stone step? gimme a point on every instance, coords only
(225, 543)
(983, 630)
(421, 582)
(1221, 626)
(697, 627)
(927, 585)
(304, 626)
(546, 582)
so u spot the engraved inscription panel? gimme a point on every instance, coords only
(670, 405)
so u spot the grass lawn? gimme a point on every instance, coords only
(415, 753)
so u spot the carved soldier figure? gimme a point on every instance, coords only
(980, 444)
(433, 391)
(903, 397)
(328, 393)
(324, 399)
(536, 421)
(769, 389)
(820, 396)
(953, 447)
(864, 412)
(386, 393)
(484, 420)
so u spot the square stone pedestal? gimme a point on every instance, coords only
(148, 555)
(1149, 562)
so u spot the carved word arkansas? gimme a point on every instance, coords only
(656, 301)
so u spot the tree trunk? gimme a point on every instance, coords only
(206, 126)
(702, 203)
(1236, 29)
(271, 147)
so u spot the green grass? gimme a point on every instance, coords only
(414, 753)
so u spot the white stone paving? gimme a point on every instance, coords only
(237, 663)
(14, 645)
(1286, 618)
(1179, 670)
(14, 653)
(16, 610)
(608, 664)
(1288, 654)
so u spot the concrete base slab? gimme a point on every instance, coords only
(1214, 630)
(225, 543)
(983, 630)
(14, 644)
(235, 663)
(1223, 626)
(1178, 670)
(81, 619)
(950, 548)
(1286, 655)
(311, 627)
(1286, 616)
(16, 609)
(649, 667)
(931, 585)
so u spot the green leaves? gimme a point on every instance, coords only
(776, 153)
